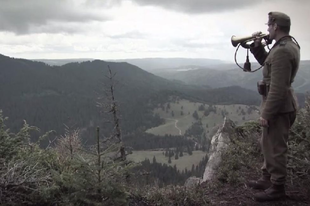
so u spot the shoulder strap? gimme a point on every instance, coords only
(295, 41)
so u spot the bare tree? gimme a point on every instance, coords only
(109, 106)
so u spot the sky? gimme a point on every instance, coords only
(125, 29)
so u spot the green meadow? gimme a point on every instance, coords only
(182, 112)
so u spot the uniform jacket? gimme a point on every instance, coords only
(280, 67)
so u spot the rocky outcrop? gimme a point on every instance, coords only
(218, 143)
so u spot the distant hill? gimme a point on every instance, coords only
(216, 78)
(60, 62)
(147, 64)
(150, 64)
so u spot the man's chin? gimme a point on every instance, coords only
(271, 37)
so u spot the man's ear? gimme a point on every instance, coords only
(275, 26)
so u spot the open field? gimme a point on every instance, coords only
(183, 162)
(179, 117)
(183, 110)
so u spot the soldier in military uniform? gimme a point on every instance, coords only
(279, 105)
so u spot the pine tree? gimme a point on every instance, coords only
(168, 106)
(154, 160)
(181, 153)
(195, 115)
(176, 156)
(189, 150)
(166, 153)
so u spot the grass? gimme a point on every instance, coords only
(186, 120)
(169, 127)
(183, 162)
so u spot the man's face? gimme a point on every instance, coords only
(272, 31)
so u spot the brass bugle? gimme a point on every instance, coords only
(237, 40)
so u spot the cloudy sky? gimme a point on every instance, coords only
(119, 29)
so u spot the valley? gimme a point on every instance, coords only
(181, 116)
(210, 116)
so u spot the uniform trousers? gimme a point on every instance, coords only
(274, 147)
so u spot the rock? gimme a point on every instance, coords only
(218, 142)
(192, 182)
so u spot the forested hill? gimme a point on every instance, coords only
(50, 96)
(216, 77)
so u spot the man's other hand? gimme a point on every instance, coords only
(258, 38)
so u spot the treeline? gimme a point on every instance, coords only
(226, 95)
(163, 174)
(145, 141)
(197, 133)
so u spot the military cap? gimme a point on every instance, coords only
(280, 18)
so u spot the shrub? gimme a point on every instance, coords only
(30, 175)
(177, 195)
(299, 149)
(242, 153)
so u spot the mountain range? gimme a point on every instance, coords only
(230, 75)
(51, 97)
(205, 72)
(147, 64)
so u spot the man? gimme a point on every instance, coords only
(279, 105)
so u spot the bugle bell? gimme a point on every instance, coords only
(243, 40)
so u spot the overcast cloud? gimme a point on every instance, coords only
(34, 16)
(122, 29)
(199, 6)
(23, 17)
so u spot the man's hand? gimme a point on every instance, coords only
(263, 122)
(258, 39)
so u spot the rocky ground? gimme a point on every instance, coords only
(242, 195)
(217, 194)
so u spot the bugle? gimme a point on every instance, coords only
(243, 40)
